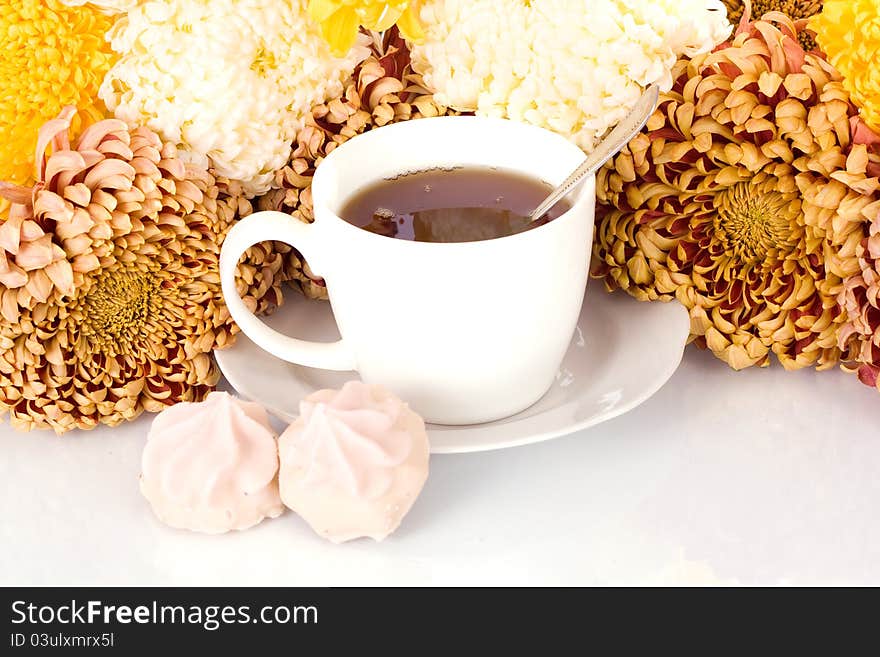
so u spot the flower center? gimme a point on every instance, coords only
(264, 60)
(794, 8)
(754, 221)
(118, 309)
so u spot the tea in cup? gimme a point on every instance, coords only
(441, 289)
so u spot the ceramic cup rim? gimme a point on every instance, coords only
(324, 213)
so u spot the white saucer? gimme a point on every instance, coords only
(622, 353)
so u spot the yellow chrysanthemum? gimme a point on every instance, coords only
(848, 31)
(340, 19)
(51, 55)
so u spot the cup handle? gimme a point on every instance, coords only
(262, 227)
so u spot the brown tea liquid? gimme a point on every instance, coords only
(451, 205)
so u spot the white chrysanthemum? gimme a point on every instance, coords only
(225, 79)
(107, 6)
(573, 66)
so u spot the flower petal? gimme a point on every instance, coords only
(340, 30)
(409, 25)
(36, 254)
(322, 10)
(378, 16)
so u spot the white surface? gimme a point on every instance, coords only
(609, 369)
(465, 332)
(757, 477)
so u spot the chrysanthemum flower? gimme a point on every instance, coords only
(50, 56)
(232, 80)
(848, 31)
(383, 90)
(575, 67)
(860, 298)
(743, 199)
(107, 6)
(110, 300)
(795, 9)
(340, 19)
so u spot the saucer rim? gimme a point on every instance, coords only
(659, 381)
(570, 430)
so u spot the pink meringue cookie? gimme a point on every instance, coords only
(354, 462)
(212, 466)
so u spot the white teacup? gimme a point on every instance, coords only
(464, 332)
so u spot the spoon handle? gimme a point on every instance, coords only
(631, 124)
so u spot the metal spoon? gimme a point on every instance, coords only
(605, 150)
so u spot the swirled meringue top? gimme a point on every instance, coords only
(353, 462)
(212, 466)
(353, 439)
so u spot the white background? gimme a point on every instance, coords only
(757, 477)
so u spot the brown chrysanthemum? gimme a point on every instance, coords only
(860, 298)
(742, 199)
(382, 90)
(110, 299)
(794, 9)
